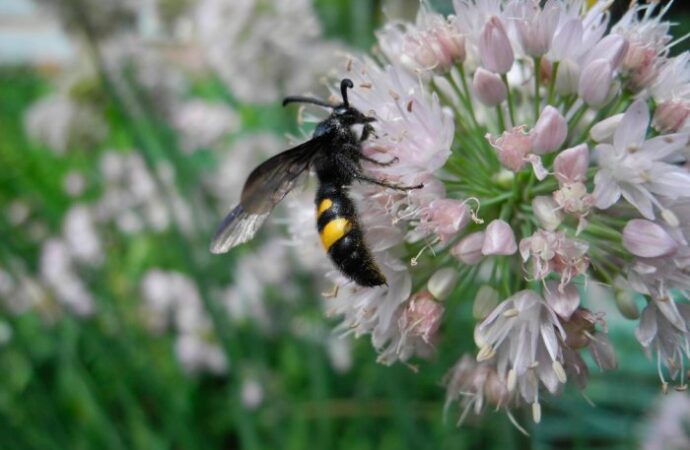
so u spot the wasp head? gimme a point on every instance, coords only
(346, 113)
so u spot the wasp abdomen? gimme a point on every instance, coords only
(342, 237)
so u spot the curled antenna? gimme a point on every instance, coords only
(344, 84)
(299, 99)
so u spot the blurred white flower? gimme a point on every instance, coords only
(262, 50)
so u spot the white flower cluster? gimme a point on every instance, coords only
(553, 153)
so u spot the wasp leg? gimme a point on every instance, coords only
(379, 163)
(385, 183)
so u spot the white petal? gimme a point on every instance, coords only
(669, 309)
(602, 352)
(567, 40)
(633, 127)
(646, 330)
(661, 147)
(563, 303)
(669, 181)
(606, 190)
(639, 199)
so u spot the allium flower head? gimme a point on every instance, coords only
(541, 177)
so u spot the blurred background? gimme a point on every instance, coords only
(127, 128)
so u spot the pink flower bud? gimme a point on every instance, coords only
(547, 212)
(571, 164)
(564, 300)
(641, 65)
(469, 249)
(422, 317)
(495, 50)
(512, 148)
(549, 132)
(595, 82)
(670, 116)
(489, 87)
(499, 239)
(451, 42)
(646, 239)
(445, 217)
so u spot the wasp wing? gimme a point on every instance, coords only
(265, 187)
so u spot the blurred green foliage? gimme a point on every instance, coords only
(106, 383)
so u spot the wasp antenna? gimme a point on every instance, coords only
(344, 84)
(299, 99)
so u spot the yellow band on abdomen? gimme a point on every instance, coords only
(334, 231)
(325, 204)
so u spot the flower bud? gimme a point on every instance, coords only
(512, 148)
(670, 116)
(646, 239)
(445, 217)
(499, 239)
(595, 82)
(566, 40)
(489, 87)
(485, 301)
(549, 132)
(625, 298)
(442, 283)
(547, 212)
(564, 300)
(495, 50)
(640, 63)
(571, 164)
(469, 249)
(612, 48)
(603, 131)
(422, 316)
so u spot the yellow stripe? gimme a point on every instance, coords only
(325, 204)
(334, 231)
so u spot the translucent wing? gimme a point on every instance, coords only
(265, 187)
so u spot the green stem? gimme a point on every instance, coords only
(552, 83)
(468, 97)
(501, 119)
(511, 107)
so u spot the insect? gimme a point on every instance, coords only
(335, 153)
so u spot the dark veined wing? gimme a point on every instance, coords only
(265, 187)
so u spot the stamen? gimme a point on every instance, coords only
(486, 353)
(516, 424)
(474, 213)
(512, 380)
(559, 371)
(512, 312)
(536, 412)
(670, 218)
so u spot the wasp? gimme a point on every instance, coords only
(335, 153)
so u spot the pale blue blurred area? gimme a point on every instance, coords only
(29, 35)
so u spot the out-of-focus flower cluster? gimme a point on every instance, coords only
(130, 126)
(553, 149)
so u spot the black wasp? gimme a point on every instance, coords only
(334, 152)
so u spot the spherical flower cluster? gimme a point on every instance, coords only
(553, 149)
